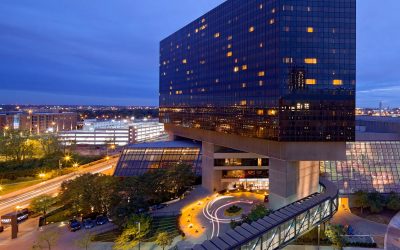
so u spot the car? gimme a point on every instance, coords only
(101, 220)
(266, 198)
(88, 224)
(158, 207)
(74, 225)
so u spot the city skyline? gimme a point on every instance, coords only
(113, 60)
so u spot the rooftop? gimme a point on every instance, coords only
(167, 144)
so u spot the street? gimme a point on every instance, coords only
(23, 197)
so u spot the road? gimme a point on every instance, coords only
(22, 197)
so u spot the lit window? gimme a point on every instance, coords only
(260, 112)
(271, 112)
(203, 20)
(229, 46)
(244, 67)
(235, 69)
(310, 60)
(261, 45)
(272, 21)
(229, 54)
(251, 29)
(273, 10)
(337, 82)
(184, 61)
(310, 29)
(261, 6)
(261, 83)
(216, 35)
(244, 85)
(287, 60)
(217, 80)
(229, 38)
(311, 81)
(261, 73)
(243, 102)
(197, 31)
(286, 29)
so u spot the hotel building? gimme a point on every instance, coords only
(272, 78)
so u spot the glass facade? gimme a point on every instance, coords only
(274, 69)
(136, 161)
(370, 166)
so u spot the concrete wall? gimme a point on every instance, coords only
(291, 151)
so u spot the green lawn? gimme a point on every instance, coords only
(9, 186)
(160, 224)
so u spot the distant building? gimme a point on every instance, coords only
(373, 160)
(38, 122)
(119, 133)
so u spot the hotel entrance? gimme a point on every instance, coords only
(246, 184)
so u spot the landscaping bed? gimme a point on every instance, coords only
(233, 211)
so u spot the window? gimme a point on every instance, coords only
(310, 29)
(311, 81)
(236, 69)
(310, 60)
(287, 60)
(243, 102)
(244, 85)
(272, 21)
(244, 67)
(260, 112)
(184, 61)
(216, 35)
(251, 29)
(229, 54)
(261, 73)
(337, 82)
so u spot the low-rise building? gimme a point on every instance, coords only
(38, 122)
(119, 133)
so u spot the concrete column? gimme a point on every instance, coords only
(291, 181)
(211, 179)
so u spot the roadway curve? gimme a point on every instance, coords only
(214, 212)
(24, 196)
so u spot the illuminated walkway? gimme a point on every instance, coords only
(282, 226)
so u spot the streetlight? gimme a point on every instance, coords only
(138, 223)
(6, 128)
(66, 158)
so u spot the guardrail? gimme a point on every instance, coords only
(281, 227)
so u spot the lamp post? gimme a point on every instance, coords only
(6, 128)
(66, 158)
(138, 232)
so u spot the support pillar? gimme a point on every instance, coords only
(291, 181)
(211, 179)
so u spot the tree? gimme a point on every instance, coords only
(42, 203)
(163, 240)
(17, 145)
(136, 229)
(49, 144)
(85, 241)
(361, 200)
(89, 193)
(335, 235)
(257, 212)
(376, 201)
(46, 240)
(393, 202)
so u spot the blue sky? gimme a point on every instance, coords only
(106, 52)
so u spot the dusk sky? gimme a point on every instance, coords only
(106, 52)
